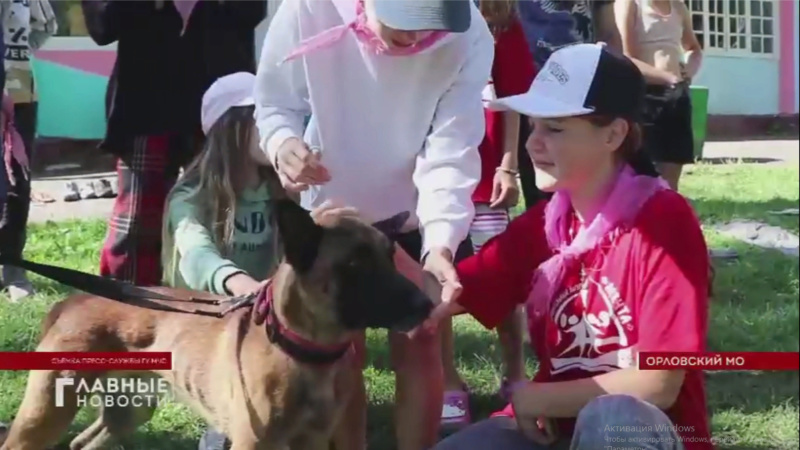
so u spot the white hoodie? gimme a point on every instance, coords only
(397, 133)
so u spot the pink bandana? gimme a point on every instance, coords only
(620, 209)
(364, 34)
(13, 147)
(185, 8)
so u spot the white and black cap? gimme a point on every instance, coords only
(578, 80)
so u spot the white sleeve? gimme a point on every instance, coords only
(281, 93)
(449, 167)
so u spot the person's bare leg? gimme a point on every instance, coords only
(671, 173)
(351, 434)
(419, 389)
(452, 379)
(511, 335)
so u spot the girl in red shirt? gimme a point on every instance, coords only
(613, 265)
(497, 191)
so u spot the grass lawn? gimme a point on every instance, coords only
(755, 309)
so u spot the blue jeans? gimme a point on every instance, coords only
(593, 430)
(213, 440)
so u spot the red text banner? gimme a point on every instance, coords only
(719, 361)
(85, 361)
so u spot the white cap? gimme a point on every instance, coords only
(225, 93)
(581, 79)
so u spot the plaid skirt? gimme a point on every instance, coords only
(132, 248)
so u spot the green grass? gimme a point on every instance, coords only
(755, 309)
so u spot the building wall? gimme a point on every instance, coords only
(787, 16)
(72, 75)
(727, 95)
(796, 40)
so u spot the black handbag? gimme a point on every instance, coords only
(659, 99)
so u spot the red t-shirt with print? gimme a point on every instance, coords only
(512, 74)
(643, 290)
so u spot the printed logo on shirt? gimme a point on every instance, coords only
(594, 329)
(16, 30)
(254, 223)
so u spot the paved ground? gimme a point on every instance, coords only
(61, 210)
(766, 151)
(756, 151)
(762, 235)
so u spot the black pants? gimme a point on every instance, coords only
(527, 176)
(14, 218)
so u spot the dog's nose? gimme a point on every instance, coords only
(419, 308)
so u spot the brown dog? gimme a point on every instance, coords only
(277, 385)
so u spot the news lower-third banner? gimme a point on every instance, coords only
(85, 361)
(770, 361)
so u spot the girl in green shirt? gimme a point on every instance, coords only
(219, 234)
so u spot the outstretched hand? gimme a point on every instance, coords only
(328, 214)
(440, 281)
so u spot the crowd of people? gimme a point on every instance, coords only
(450, 110)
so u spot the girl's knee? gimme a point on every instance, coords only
(619, 418)
(489, 434)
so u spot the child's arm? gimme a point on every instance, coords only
(201, 265)
(606, 28)
(510, 141)
(448, 167)
(512, 74)
(43, 23)
(281, 92)
(690, 43)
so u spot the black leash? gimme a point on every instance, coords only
(124, 292)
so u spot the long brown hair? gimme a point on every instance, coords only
(213, 176)
(499, 14)
(631, 152)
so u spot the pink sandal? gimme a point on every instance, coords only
(455, 408)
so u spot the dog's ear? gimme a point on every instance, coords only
(300, 236)
(391, 226)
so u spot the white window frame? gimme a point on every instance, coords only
(737, 52)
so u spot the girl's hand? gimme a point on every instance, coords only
(440, 282)
(241, 284)
(539, 429)
(505, 191)
(328, 214)
(298, 166)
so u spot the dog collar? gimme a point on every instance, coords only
(294, 345)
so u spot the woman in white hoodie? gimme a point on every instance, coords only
(395, 89)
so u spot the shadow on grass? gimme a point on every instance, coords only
(717, 212)
(144, 440)
(717, 161)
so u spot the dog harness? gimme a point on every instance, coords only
(294, 345)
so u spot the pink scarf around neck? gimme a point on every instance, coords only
(13, 147)
(185, 8)
(364, 34)
(619, 211)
